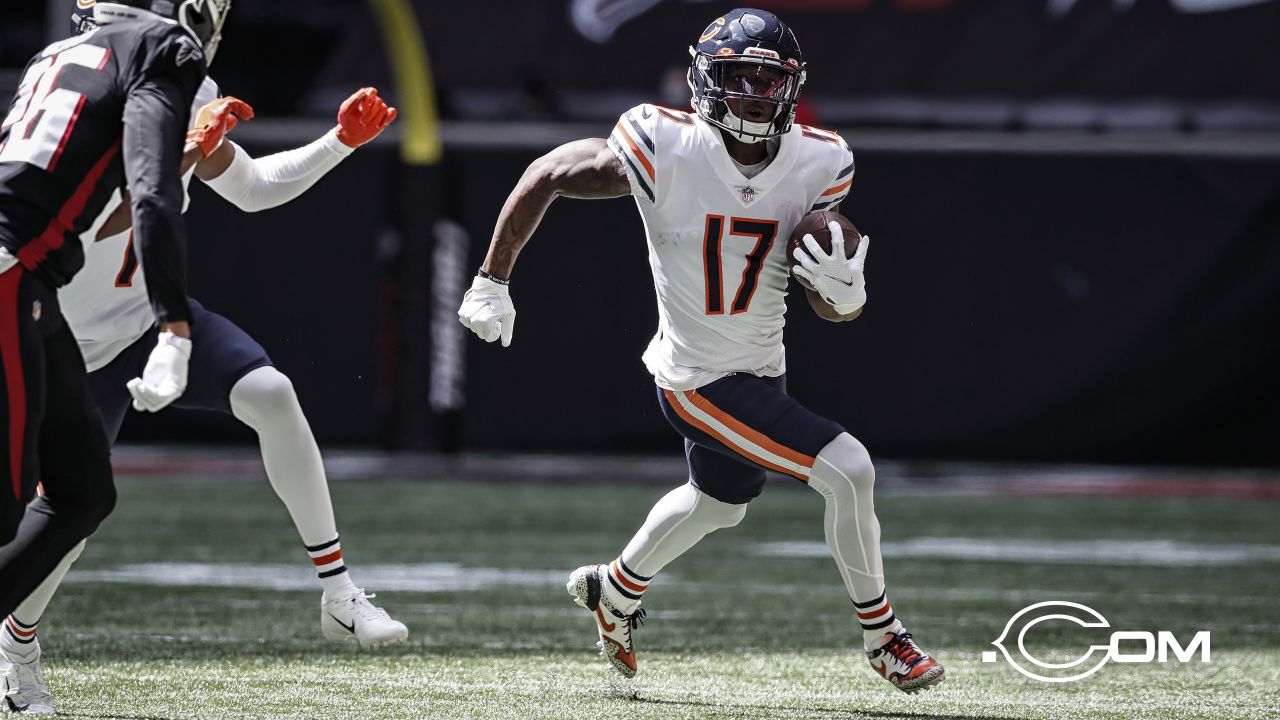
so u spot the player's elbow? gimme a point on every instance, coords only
(249, 204)
(153, 207)
(546, 176)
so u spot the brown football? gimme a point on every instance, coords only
(815, 224)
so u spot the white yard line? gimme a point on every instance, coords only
(420, 577)
(1155, 553)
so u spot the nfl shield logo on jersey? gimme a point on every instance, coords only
(748, 194)
(36, 310)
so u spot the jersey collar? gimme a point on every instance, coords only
(729, 173)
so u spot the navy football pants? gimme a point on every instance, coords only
(740, 426)
(221, 354)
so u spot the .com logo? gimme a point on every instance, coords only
(1127, 646)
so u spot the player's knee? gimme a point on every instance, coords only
(735, 515)
(844, 464)
(91, 508)
(74, 553)
(84, 509)
(260, 394)
(722, 514)
(102, 504)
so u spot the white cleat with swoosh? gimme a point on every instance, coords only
(352, 616)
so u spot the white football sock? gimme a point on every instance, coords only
(676, 523)
(18, 637)
(843, 473)
(264, 400)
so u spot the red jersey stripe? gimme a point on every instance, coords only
(34, 253)
(15, 380)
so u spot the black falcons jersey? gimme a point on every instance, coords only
(93, 113)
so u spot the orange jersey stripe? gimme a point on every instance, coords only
(762, 440)
(326, 559)
(617, 575)
(648, 168)
(836, 190)
(671, 399)
(829, 133)
(674, 115)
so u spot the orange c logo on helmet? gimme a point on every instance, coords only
(712, 29)
(86, 4)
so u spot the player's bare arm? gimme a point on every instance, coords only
(208, 168)
(584, 169)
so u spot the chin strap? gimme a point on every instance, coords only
(739, 127)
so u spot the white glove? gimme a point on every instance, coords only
(839, 280)
(165, 376)
(487, 311)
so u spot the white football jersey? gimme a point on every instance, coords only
(718, 240)
(106, 303)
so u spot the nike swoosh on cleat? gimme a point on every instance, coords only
(608, 626)
(848, 283)
(350, 628)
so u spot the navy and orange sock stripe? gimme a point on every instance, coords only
(875, 614)
(628, 584)
(19, 631)
(327, 557)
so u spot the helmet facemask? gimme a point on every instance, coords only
(718, 79)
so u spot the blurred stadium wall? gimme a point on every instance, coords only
(1076, 207)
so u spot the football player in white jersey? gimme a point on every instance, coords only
(720, 191)
(112, 320)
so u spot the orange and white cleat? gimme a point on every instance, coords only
(615, 628)
(905, 665)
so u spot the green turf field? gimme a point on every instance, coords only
(753, 623)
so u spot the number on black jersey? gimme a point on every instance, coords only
(43, 115)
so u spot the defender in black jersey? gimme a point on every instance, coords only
(103, 109)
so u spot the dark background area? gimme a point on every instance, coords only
(1056, 305)
(1023, 307)
(1169, 64)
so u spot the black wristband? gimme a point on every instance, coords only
(494, 278)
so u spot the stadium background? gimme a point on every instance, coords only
(1076, 206)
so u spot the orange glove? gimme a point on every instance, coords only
(215, 120)
(362, 117)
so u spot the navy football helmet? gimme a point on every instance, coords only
(751, 37)
(204, 18)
